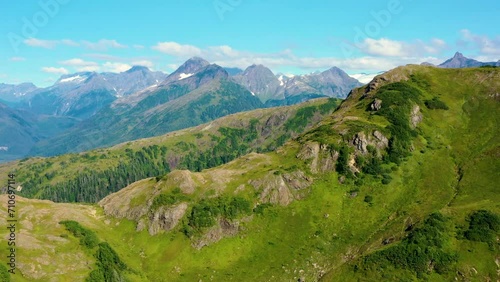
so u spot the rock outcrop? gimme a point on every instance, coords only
(322, 157)
(416, 116)
(278, 188)
(224, 228)
(165, 218)
(376, 105)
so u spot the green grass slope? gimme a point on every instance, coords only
(399, 184)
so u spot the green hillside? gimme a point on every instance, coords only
(398, 184)
(90, 176)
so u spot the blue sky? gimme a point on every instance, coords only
(43, 39)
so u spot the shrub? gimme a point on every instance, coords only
(205, 212)
(435, 103)
(4, 273)
(482, 226)
(261, 208)
(87, 237)
(398, 99)
(386, 178)
(368, 199)
(421, 247)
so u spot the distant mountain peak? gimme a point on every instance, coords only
(460, 61)
(192, 65)
(138, 68)
(458, 55)
(258, 69)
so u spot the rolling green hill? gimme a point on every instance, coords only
(398, 184)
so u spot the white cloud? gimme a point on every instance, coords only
(81, 65)
(144, 63)
(18, 59)
(103, 44)
(383, 47)
(55, 70)
(224, 50)
(176, 49)
(34, 42)
(70, 42)
(116, 67)
(49, 44)
(486, 45)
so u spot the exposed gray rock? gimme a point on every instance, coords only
(166, 218)
(376, 105)
(382, 141)
(416, 116)
(377, 140)
(360, 142)
(277, 189)
(224, 228)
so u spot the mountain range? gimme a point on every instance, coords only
(103, 109)
(138, 103)
(460, 61)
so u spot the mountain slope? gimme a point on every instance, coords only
(196, 99)
(81, 95)
(20, 130)
(16, 93)
(261, 82)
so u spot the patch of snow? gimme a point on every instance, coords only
(75, 79)
(157, 81)
(185, 75)
(115, 89)
(252, 93)
(280, 78)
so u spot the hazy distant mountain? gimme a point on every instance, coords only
(83, 94)
(459, 61)
(187, 100)
(16, 92)
(20, 130)
(279, 89)
(262, 82)
(233, 71)
(333, 82)
(186, 70)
